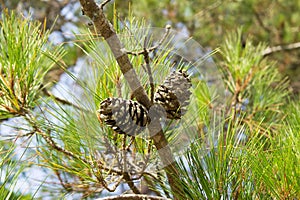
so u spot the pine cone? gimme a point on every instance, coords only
(173, 95)
(123, 116)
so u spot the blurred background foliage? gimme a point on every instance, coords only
(274, 22)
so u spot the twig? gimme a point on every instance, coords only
(145, 52)
(124, 153)
(109, 148)
(62, 182)
(130, 143)
(130, 183)
(114, 187)
(127, 178)
(51, 142)
(149, 72)
(134, 197)
(58, 148)
(63, 101)
(104, 4)
(274, 49)
(161, 182)
(146, 160)
(119, 86)
(150, 49)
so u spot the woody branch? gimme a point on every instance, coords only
(106, 30)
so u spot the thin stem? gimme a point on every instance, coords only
(62, 182)
(145, 52)
(274, 49)
(126, 175)
(63, 101)
(134, 197)
(70, 154)
(104, 4)
(153, 48)
(149, 72)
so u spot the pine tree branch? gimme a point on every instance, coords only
(98, 165)
(104, 3)
(274, 49)
(134, 197)
(106, 30)
(149, 72)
